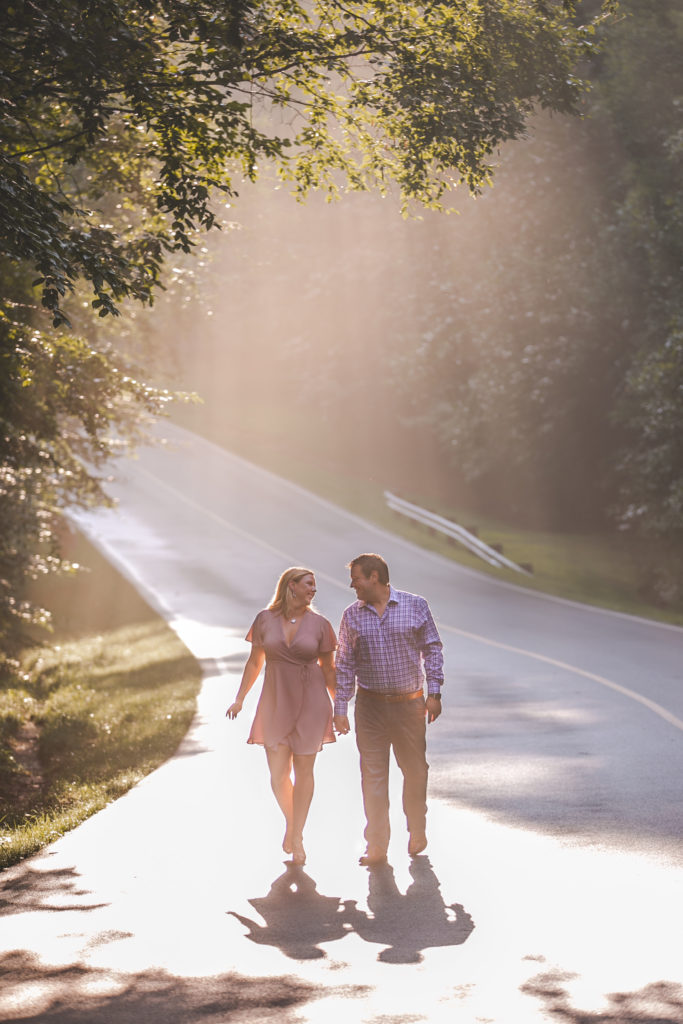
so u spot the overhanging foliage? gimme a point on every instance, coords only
(123, 122)
(162, 102)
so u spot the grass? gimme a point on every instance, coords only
(589, 568)
(598, 569)
(91, 713)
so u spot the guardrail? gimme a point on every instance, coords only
(454, 531)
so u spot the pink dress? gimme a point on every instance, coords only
(294, 706)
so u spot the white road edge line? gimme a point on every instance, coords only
(657, 709)
(623, 690)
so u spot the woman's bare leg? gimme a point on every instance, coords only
(302, 796)
(280, 765)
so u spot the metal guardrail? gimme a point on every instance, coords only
(450, 529)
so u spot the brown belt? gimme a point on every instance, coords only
(390, 698)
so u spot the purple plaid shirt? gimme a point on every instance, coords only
(391, 654)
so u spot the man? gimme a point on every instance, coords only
(388, 644)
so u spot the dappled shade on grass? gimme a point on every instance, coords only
(92, 712)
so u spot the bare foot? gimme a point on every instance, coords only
(298, 852)
(287, 842)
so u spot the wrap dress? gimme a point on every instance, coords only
(294, 706)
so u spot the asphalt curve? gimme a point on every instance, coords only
(552, 887)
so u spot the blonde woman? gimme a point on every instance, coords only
(294, 713)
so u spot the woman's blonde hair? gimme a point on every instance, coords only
(278, 602)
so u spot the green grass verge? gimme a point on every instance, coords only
(599, 569)
(91, 713)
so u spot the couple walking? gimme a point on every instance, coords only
(388, 645)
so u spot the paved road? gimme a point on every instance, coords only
(553, 885)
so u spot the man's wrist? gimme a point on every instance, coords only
(436, 696)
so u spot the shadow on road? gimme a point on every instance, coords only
(24, 889)
(540, 753)
(36, 992)
(299, 919)
(658, 1003)
(407, 924)
(77, 994)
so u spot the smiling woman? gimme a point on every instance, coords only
(294, 714)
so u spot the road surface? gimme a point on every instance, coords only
(552, 887)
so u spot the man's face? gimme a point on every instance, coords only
(365, 586)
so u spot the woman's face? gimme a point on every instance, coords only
(302, 591)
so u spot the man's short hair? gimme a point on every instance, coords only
(369, 564)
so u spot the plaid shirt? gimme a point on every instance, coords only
(391, 654)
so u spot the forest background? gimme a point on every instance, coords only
(522, 359)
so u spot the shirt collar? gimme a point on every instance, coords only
(393, 598)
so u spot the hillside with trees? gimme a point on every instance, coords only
(526, 353)
(125, 125)
(522, 358)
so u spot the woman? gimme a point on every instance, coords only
(294, 713)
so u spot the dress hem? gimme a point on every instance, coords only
(260, 743)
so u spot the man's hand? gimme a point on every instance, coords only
(433, 708)
(341, 724)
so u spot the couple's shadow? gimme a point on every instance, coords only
(299, 919)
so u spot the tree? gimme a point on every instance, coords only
(122, 122)
(60, 401)
(163, 101)
(641, 95)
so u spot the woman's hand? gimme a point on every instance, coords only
(251, 670)
(234, 709)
